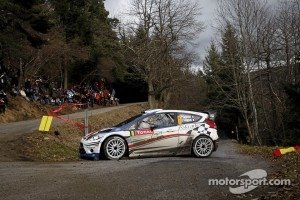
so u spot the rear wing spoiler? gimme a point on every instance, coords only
(211, 114)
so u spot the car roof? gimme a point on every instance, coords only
(151, 111)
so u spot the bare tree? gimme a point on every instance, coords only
(288, 25)
(160, 32)
(248, 18)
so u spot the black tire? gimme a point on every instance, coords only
(114, 148)
(203, 146)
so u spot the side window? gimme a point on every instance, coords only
(157, 121)
(165, 120)
(188, 118)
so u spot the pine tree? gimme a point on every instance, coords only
(223, 73)
(212, 69)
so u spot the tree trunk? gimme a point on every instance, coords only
(167, 98)
(21, 75)
(249, 131)
(275, 121)
(151, 95)
(237, 134)
(254, 112)
(65, 69)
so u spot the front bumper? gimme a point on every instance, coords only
(84, 154)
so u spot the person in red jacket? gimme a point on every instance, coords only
(106, 97)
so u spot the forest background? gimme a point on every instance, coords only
(250, 76)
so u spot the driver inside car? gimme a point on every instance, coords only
(147, 122)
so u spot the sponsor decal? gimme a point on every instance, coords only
(141, 132)
(179, 119)
(152, 140)
(131, 133)
(203, 129)
(187, 118)
(189, 126)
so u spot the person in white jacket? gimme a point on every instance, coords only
(23, 94)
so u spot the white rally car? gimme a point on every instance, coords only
(154, 133)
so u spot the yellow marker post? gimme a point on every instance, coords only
(287, 150)
(45, 123)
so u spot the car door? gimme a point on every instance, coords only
(186, 123)
(154, 135)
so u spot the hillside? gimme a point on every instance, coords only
(19, 109)
(47, 146)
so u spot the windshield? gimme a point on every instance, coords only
(128, 120)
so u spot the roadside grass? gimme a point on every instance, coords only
(61, 143)
(286, 166)
(47, 146)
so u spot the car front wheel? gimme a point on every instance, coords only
(203, 146)
(115, 148)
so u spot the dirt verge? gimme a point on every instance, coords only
(62, 141)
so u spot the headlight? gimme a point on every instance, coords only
(97, 137)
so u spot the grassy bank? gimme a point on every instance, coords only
(48, 146)
(286, 166)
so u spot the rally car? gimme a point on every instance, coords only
(155, 132)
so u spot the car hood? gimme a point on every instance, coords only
(102, 132)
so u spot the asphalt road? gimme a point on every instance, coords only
(137, 179)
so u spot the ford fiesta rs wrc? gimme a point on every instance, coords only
(154, 133)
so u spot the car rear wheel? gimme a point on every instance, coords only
(115, 148)
(203, 146)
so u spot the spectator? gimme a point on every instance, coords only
(23, 94)
(54, 95)
(28, 85)
(46, 99)
(96, 86)
(3, 81)
(46, 85)
(97, 98)
(52, 101)
(4, 96)
(112, 96)
(2, 105)
(106, 96)
(91, 97)
(14, 91)
(3, 101)
(102, 84)
(84, 100)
